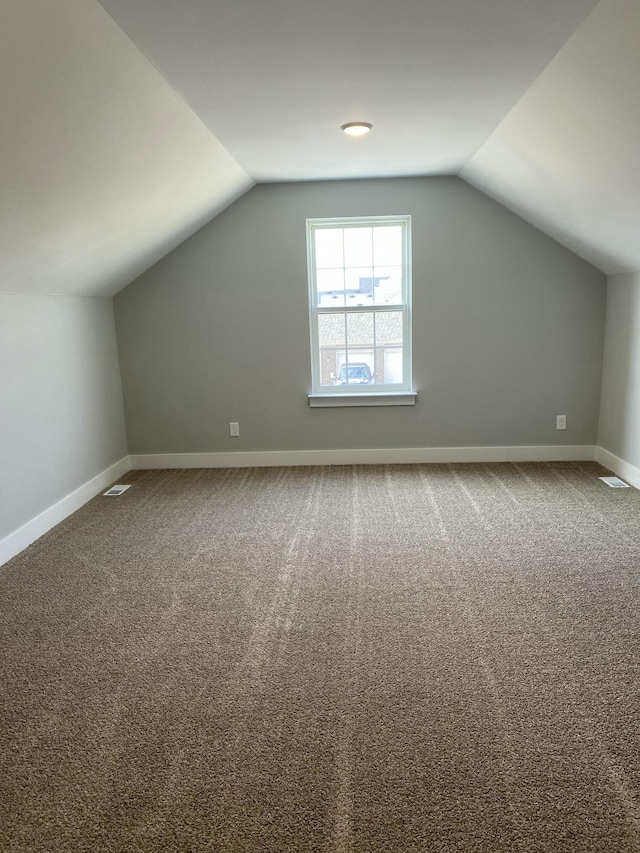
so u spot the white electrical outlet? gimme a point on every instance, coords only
(234, 429)
(561, 422)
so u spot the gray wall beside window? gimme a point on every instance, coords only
(507, 329)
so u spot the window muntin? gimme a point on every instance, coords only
(359, 294)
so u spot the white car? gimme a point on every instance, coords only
(354, 373)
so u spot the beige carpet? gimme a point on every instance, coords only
(394, 658)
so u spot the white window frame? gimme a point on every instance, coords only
(363, 395)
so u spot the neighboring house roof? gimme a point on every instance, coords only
(127, 125)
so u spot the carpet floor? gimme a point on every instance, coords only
(395, 658)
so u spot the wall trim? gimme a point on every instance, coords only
(42, 523)
(375, 456)
(625, 470)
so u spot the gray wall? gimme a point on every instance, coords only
(620, 409)
(508, 329)
(61, 412)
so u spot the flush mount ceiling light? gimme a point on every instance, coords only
(356, 128)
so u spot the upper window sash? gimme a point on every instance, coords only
(341, 259)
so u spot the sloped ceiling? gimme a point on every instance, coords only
(103, 167)
(567, 157)
(127, 125)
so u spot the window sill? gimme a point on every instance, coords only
(383, 398)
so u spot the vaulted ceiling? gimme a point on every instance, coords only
(126, 125)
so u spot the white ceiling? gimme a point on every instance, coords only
(103, 168)
(275, 80)
(567, 157)
(121, 135)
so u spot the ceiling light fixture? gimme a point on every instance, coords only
(356, 128)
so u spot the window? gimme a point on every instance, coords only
(359, 298)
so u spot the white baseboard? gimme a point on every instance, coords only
(381, 456)
(34, 529)
(627, 472)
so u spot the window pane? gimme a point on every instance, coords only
(387, 285)
(330, 286)
(359, 286)
(358, 368)
(358, 247)
(332, 340)
(329, 251)
(387, 246)
(392, 365)
(360, 330)
(389, 341)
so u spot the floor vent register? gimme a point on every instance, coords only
(614, 482)
(114, 491)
